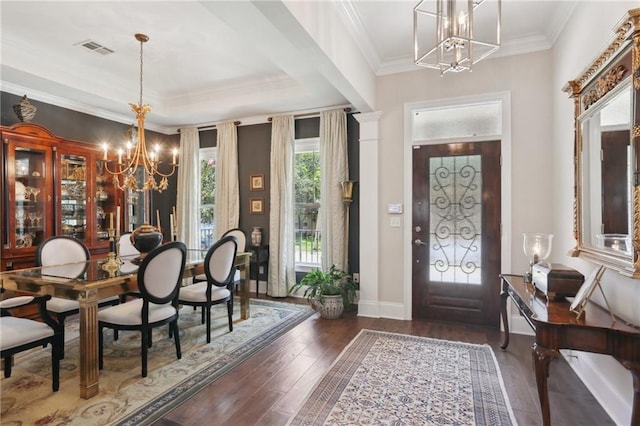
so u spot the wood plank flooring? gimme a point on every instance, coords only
(270, 387)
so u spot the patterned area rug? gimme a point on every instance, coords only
(125, 397)
(395, 379)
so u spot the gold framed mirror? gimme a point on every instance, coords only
(607, 153)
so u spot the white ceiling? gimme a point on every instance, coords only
(211, 61)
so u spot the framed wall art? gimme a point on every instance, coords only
(257, 182)
(256, 206)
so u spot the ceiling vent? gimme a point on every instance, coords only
(94, 47)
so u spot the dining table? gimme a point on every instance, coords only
(87, 282)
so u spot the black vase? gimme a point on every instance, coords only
(145, 238)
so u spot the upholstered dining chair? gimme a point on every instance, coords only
(62, 255)
(21, 334)
(242, 244)
(159, 280)
(127, 248)
(219, 270)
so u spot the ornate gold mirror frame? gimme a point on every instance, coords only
(615, 66)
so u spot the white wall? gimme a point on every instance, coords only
(542, 168)
(587, 33)
(528, 80)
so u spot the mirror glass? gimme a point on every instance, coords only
(606, 160)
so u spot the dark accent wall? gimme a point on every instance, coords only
(254, 150)
(78, 126)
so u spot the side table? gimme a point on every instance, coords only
(259, 264)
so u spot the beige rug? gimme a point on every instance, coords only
(395, 379)
(127, 398)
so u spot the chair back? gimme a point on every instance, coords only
(160, 273)
(218, 263)
(240, 236)
(126, 246)
(61, 249)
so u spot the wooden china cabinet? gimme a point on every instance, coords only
(51, 186)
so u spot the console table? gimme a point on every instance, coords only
(557, 328)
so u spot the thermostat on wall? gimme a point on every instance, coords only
(394, 208)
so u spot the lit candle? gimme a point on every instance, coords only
(105, 147)
(110, 220)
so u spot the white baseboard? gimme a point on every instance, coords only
(368, 309)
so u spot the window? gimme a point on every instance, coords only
(207, 196)
(307, 203)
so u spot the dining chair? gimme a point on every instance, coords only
(242, 244)
(159, 280)
(58, 254)
(126, 247)
(219, 270)
(21, 334)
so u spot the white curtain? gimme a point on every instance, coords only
(188, 199)
(282, 273)
(227, 206)
(334, 169)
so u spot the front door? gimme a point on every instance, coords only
(456, 232)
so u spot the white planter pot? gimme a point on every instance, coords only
(330, 307)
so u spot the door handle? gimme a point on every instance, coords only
(419, 242)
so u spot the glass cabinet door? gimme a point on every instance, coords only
(29, 195)
(73, 196)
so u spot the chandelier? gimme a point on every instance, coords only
(135, 153)
(453, 35)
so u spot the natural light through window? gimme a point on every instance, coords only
(307, 204)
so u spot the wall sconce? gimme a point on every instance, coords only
(347, 191)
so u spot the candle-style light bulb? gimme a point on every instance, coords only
(105, 148)
(175, 154)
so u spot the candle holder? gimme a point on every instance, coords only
(113, 262)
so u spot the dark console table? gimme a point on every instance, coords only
(557, 328)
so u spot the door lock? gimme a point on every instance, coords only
(419, 242)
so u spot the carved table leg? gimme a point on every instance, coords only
(634, 367)
(89, 346)
(503, 313)
(541, 359)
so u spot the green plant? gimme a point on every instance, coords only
(333, 282)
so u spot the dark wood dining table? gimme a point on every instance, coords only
(88, 282)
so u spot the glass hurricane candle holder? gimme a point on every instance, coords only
(537, 248)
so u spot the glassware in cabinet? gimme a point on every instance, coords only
(73, 196)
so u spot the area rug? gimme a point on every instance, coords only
(395, 379)
(125, 397)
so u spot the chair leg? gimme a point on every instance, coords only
(208, 308)
(8, 362)
(61, 318)
(176, 337)
(56, 349)
(100, 348)
(203, 313)
(116, 335)
(144, 350)
(230, 313)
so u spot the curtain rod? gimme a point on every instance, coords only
(213, 126)
(309, 114)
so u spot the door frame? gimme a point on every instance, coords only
(504, 99)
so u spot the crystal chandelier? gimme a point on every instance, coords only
(453, 35)
(135, 154)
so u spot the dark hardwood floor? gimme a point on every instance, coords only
(269, 387)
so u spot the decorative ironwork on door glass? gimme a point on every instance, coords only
(455, 214)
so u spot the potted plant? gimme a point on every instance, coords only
(328, 292)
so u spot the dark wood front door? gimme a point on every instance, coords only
(456, 232)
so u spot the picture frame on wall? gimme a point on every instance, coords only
(256, 206)
(256, 182)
